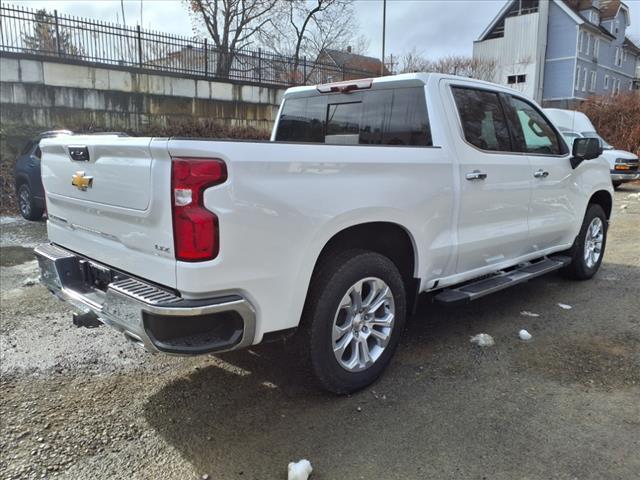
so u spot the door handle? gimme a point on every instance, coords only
(541, 174)
(476, 175)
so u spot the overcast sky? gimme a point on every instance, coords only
(435, 28)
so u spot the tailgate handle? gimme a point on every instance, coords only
(79, 153)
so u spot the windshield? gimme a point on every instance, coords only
(570, 136)
(605, 145)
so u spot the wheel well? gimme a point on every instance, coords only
(603, 198)
(386, 238)
(20, 180)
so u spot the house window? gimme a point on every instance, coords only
(589, 40)
(596, 47)
(615, 87)
(618, 59)
(515, 79)
(594, 79)
(577, 78)
(624, 56)
(584, 79)
(581, 41)
(606, 82)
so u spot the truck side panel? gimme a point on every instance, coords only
(282, 203)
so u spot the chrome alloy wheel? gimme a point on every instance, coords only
(593, 242)
(363, 324)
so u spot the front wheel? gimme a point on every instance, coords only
(355, 315)
(588, 248)
(616, 184)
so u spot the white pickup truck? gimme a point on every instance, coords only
(369, 193)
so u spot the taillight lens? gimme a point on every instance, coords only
(195, 229)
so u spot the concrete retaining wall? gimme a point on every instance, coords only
(44, 94)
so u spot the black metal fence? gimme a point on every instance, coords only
(36, 32)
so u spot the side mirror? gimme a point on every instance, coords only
(585, 149)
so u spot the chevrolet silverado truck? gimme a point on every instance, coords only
(369, 193)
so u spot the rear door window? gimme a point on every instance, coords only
(375, 117)
(483, 119)
(27, 148)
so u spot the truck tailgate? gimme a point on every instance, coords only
(115, 206)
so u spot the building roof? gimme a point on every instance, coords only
(628, 43)
(353, 61)
(609, 8)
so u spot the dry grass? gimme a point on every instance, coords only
(617, 119)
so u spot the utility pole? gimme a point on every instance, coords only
(384, 26)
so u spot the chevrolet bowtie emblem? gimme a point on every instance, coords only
(81, 181)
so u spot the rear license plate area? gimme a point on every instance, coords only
(96, 276)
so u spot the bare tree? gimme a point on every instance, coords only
(412, 62)
(232, 25)
(303, 28)
(482, 69)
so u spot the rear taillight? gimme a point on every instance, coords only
(195, 229)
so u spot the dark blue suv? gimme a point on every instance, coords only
(27, 176)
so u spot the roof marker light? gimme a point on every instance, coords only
(345, 87)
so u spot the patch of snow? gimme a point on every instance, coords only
(299, 470)
(5, 219)
(482, 340)
(524, 335)
(623, 206)
(30, 282)
(529, 314)
(564, 306)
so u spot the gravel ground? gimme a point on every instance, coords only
(79, 403)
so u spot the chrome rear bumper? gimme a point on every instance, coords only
(155, 317)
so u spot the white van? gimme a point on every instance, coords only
(572, 125)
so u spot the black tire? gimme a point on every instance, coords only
(579, 269)
(26, 203)
(616, 185)
(334, 278)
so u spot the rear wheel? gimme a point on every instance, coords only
(354, 315)
(27, 205)
(588, 248)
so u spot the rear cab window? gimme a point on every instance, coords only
(393, 116)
